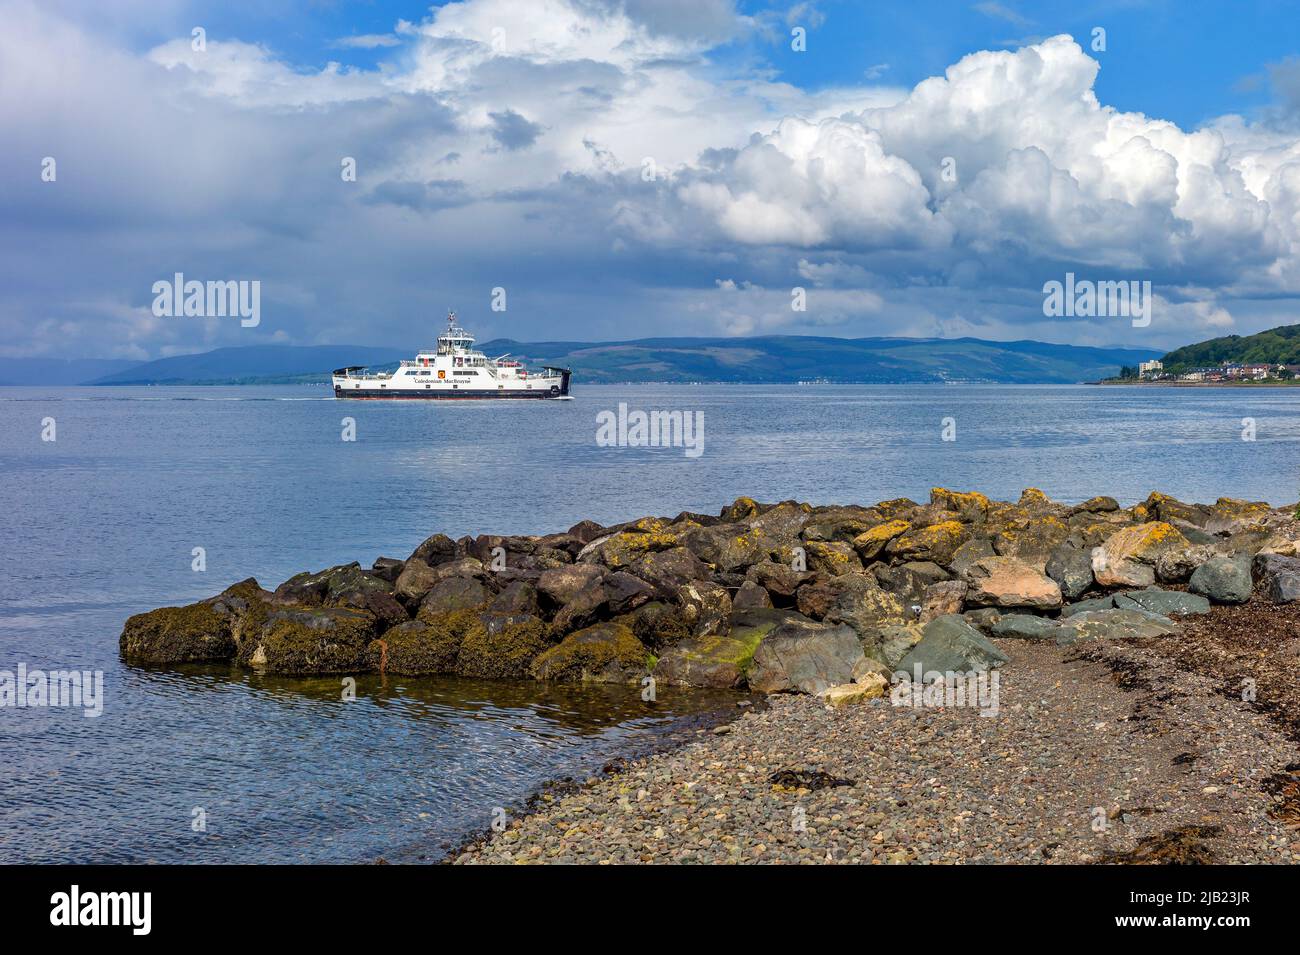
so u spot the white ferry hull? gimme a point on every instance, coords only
(454, 371)
(442, 390)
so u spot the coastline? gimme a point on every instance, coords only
(683, 732)
(1146, 762)
(893, 642)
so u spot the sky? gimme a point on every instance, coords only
(615, 169)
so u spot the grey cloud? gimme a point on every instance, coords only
(512, 131)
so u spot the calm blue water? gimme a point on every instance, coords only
(100, 524)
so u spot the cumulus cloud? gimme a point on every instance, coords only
(598, 160)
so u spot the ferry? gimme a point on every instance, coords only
(452, 370)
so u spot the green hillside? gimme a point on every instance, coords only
(1277, 346)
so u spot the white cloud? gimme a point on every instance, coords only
(503, 142)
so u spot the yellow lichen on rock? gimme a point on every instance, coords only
(971, 505)
(870, 543)
(937, 542)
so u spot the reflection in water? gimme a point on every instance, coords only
(285, 769)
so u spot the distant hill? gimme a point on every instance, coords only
(782, 358)
(59, 371)
(767, 359)
(253, 364)
(1277, 346)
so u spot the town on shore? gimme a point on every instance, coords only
(1225, 373)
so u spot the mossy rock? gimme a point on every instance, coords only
(605, 653)
(501, 646)
(310, 640)
(200, 632)
(713, 661)
(190, 634)
(423, 647)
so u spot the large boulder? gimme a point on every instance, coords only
(719, 661)
(936, 542)
(200, 632)
(667, 570)
(908, 582)
(831, 557)
(1224, 579)
(784, 522)
(942, 598)
(728, 546)
(779, 580)
(1177, 565)
(309, 640)
(1162, 602)
(967, 505)
(453, 593)
(804, 658)
(1032, 540)
(1116, 624)
(706, 608)
(658, 625)
(1023, 626)
(518, 596)
(1278, 577)
(416, 579)
(418, 648)
(314, 589)
(607, 596)
(501, 645)
(1071, 568)
(559, 585)
(435, 550)
(977, 548)
(951, 645)
(871, 544)
(1010, 582)
(750, 596)
(617, 551)
(856, 600)
(1128, 557)
(605, 653)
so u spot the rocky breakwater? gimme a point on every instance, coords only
(787, 597)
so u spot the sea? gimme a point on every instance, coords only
(109, 496)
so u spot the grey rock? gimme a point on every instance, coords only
(951, 645)
(1224, 579)
(1024, 626)
(1085, 606)
(1114, 624)
(1071, 568)
(1278, 577)
(800, 658)
(1163, 602)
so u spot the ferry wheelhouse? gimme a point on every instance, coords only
(453, 370)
